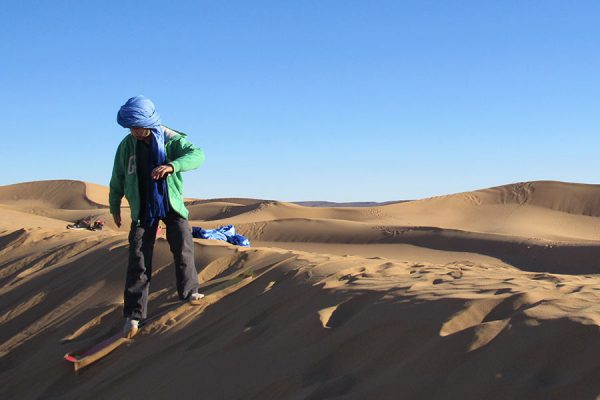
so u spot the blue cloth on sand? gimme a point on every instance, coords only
(139, 112)
(226, 233)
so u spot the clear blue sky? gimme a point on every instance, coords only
(309, 100)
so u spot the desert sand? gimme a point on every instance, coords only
(490, 294)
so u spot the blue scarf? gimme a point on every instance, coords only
(139, 112)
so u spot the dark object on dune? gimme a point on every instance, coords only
(91, 223)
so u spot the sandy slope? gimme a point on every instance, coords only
(489, 294)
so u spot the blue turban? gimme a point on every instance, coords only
(139, 112)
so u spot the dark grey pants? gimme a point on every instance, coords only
(139, 269)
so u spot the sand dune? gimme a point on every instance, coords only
(536, 210)
(491, 294)
(62, 194)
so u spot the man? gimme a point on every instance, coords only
(147, 171)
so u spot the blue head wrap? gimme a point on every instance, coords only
(139, 112)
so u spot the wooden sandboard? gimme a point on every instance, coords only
(89, 355)
(96, 352)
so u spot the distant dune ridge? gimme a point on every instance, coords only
(345, 204)
(63, 194)
(489, 294)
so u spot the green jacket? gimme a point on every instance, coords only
(181, 154)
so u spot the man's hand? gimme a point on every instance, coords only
(161, 171)
(117, 219)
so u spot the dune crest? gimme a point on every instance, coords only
(61, 194)
(571, 198)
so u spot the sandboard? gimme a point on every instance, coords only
(87, 356)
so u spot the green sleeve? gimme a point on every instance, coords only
(186, 156)
(117, 182)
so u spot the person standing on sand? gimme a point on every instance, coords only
(147, 171)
